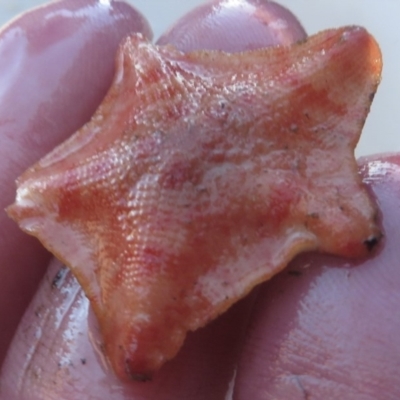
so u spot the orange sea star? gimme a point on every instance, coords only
(202, 175)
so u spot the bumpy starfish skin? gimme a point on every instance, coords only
(202, 175)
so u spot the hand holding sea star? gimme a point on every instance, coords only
(202, 175)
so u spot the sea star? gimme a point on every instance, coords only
(202, 175)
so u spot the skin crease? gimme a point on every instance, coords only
(324, 328)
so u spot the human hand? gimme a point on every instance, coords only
(320, 329)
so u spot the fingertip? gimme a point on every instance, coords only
(234, 25)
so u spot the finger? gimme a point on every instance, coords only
(52, 343)
(56, 64)
(328, 327)
(235, 26)
(204, 368)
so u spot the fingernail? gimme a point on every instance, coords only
(234, 25)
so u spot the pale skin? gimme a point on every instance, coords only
(324, 328)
